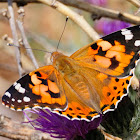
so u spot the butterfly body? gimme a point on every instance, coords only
(90, 82)
(73, 75)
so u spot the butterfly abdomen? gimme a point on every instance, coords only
(74, 77)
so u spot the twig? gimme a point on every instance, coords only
(135, 3)
(4, 12)
(109, 136)
(7, 39)
(103, 12)
(18, 131)
(100, 11)
(26, 44)
(15, 37)
(74, 16)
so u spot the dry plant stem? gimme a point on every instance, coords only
(74, 16)
(3, 10)
(135, 3)
(18, 131)
(15, 37)
(99, 11)
(26, 44)
(102, 12)
(109, 136)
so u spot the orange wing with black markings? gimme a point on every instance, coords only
(90, 82)
(92, 93)
(114, 54)
(40, 88)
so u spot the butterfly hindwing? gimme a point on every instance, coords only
(78, 95)
(112, 91)
(39, 88)
(114, 54)
(109, 90)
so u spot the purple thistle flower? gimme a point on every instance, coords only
(98, 2)
(60, 127)
(108, 26)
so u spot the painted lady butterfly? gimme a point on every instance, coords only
(90, 82)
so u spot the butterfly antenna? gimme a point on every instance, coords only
(9, 44)
(62, 33)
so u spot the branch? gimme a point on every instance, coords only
(74, 16)
(103, 12)
(26, 44)
(99, 11)
(15, 130)
(15, 37)
(135, 3)
(109, 136)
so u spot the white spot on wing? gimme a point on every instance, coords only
(137, 43)
(127, 33)
(21, 90)
(19, 101)
(12, 109)
(19, 109)
(17, 86)
(124, 30)
(13, 99)
(3, 103)
(12, 105)
(7, 106)
(128, 37)
(26, 99)
(8, 94)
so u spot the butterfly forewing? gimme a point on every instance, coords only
(39, 88)
(114, 54)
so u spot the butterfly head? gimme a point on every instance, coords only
(56, 55)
